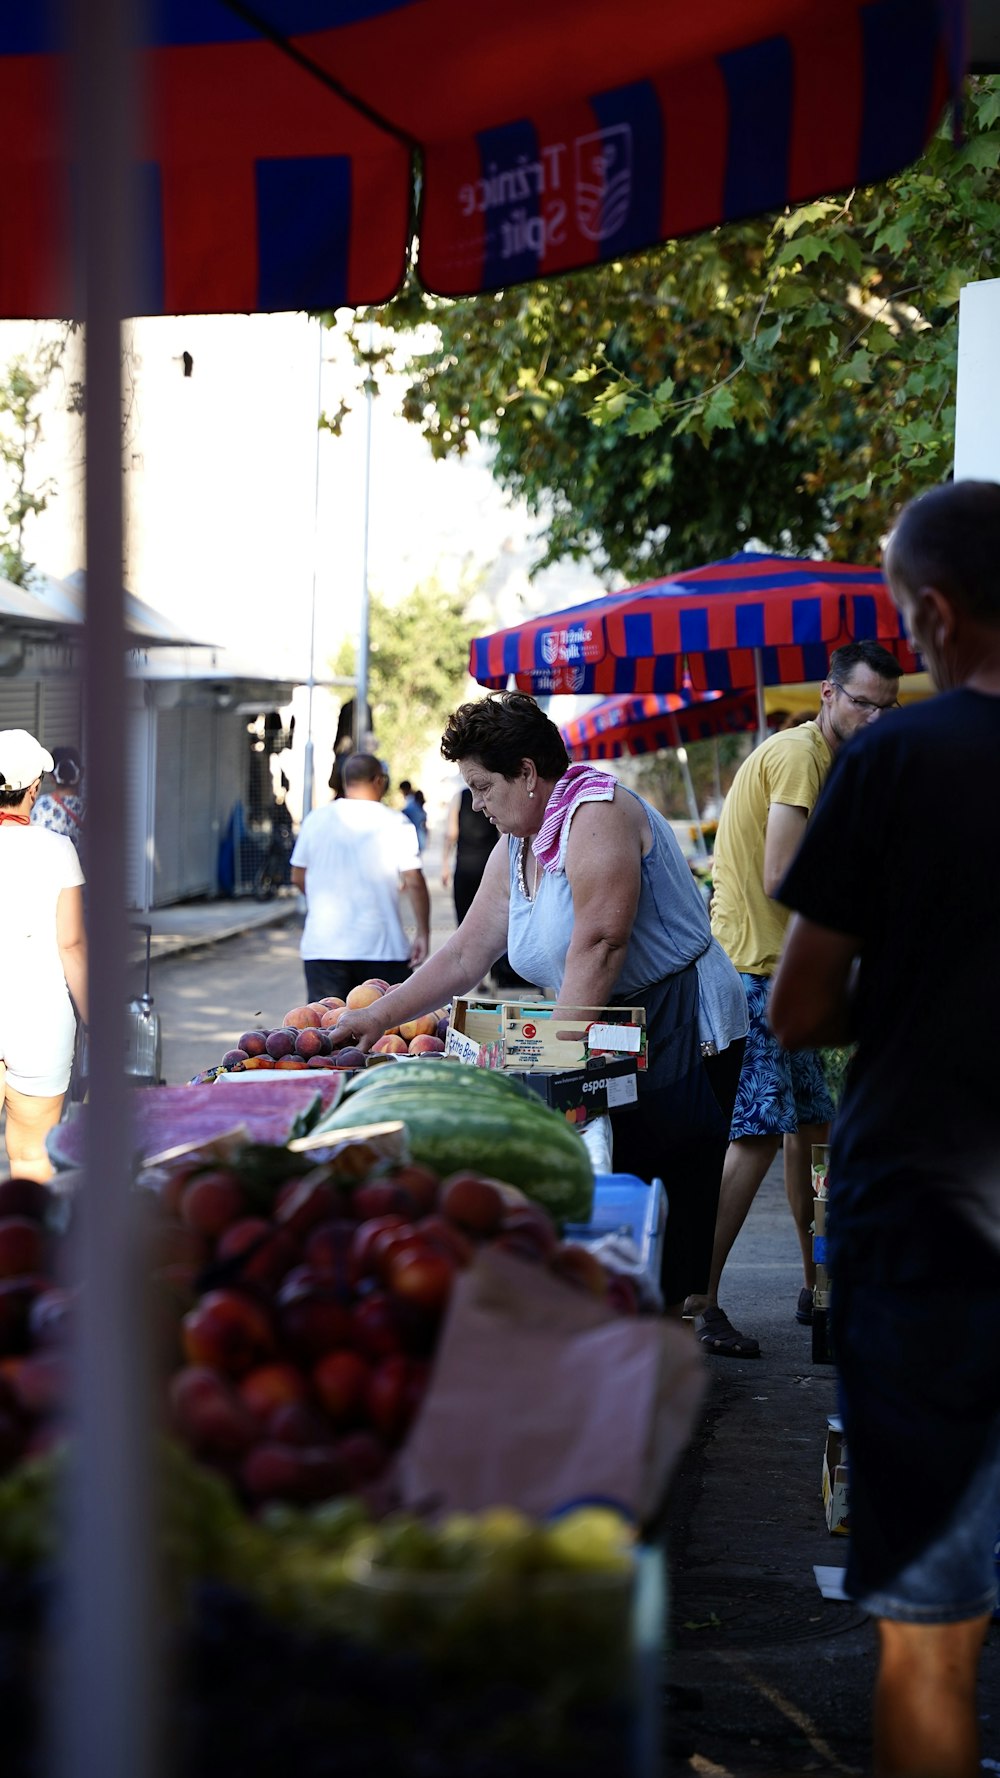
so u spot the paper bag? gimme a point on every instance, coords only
(541, 1396)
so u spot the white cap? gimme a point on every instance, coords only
(22, 759)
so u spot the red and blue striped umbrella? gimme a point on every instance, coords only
(280, 137)
(646, 722)
(753, 619)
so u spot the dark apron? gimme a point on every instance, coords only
(677, 1131)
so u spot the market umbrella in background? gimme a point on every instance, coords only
(280, 140)
(651, 722)
(753, 619)
(648, 722)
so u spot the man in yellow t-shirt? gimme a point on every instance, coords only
(780, 1096)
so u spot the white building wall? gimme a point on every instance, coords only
(977, 417)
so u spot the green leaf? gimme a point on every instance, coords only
(982, 152)
(858, 369)
(719, 410)
(664, 392)
(642, 421)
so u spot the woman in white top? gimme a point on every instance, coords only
(45, 958)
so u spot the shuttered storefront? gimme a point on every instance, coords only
(185, 863)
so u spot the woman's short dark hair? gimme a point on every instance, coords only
(500, 731)
(11, 799)
(67, 767)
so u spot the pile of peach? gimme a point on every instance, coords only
(302, 1040)
(311, 1331)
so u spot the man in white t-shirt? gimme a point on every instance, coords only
(350, 860)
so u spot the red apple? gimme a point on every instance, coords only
(362, 1259)
(327, 1249)
(209, 1415)
(422, 1275)
(395, 1392)
(420, 1184)
(261, 1254)
(376, 1325)
(380, 1197)
(228, 1331)
(298, 1423)
(271, 1385)
(303, 1203)
(39, 1383)
(448, 1237)
(473, 1202)
(531, 1221)
(211, 1202)
(314, 1314)
(298, 1473)
(341, 1381)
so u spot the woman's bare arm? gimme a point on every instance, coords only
(71, 938)
(459, 964)
(604, 869)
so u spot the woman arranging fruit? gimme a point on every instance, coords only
(41, 914)
(591, 896)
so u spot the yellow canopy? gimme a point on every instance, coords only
(793, 698)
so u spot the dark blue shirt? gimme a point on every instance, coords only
(903, 852)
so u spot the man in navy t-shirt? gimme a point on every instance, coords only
(896, 943)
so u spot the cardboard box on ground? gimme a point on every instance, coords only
(583, 1064)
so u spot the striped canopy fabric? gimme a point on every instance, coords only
(719, 628)
(280, 139)
(649, 721)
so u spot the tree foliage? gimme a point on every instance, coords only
(790, 379)
(23, 384)
(418, 655)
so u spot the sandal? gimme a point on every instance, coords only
(717, 1334)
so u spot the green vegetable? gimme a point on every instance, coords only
(520, 1141)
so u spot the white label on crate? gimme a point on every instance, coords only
(461, 1046)
(615, 1037)
(622, 1092)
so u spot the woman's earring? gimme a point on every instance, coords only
(531, 793)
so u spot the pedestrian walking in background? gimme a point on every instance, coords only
(63, 810)
(349, 861)
(885, 947)
(780, 1097)
(45, 958)
(415, 810)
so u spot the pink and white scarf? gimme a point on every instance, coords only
(580, 784)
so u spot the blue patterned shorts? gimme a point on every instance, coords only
(778, 1090)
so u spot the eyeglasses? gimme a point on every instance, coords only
(864, 704)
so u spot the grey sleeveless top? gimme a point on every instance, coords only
(671, 931)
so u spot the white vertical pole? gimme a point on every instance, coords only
(977, 437)
(758, 674)
(308, 769)
(361, 689)
(105, 1726)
